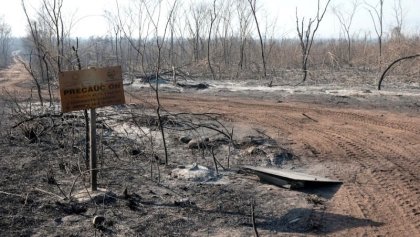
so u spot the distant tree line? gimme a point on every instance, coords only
(5, 43)
(213, 39)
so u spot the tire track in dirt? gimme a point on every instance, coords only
(353, 201)
(345, 202)
(352, 149)
(403, 166)
(360, 202)
(399, 158)
(363, 200)
(366, 197)
(405, 195)
(375, 121)
(393, 151)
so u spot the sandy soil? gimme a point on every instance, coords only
(370, 142)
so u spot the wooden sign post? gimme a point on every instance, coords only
(92, 151)
(90, 89)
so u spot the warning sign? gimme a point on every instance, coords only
(91, 88)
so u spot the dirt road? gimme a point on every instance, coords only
(375, 153)
(15, 77)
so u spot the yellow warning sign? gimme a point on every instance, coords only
(91, 88)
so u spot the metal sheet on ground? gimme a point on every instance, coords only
(291, 175)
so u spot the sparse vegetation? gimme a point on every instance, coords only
(209, 88)
(216, 41)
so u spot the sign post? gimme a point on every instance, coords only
(90, 89)
(92, 155)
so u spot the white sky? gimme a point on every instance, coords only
(88, 19)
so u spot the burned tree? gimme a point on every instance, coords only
(213, 17)
(306, 34)
(244, 18)
(346, 19)
(55, 20)
(377, 16)
(39, 52)
(46, 37)
(194, 26)
(253, 5)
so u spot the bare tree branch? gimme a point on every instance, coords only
(306, 37)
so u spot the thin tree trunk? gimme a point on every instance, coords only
(213, 18)
(254, 13)
(48, 79)
(37, 84)
(85, 112)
